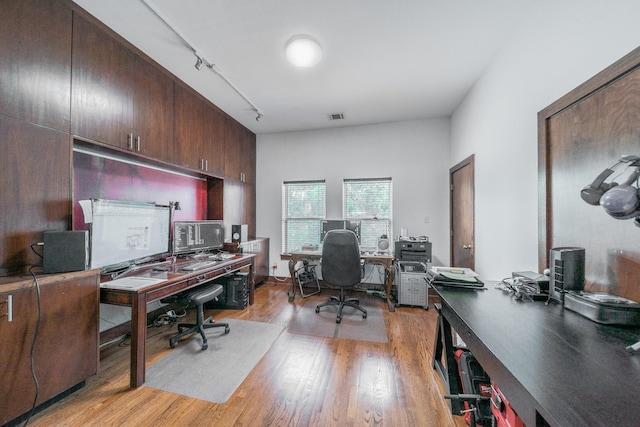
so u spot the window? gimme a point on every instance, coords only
(369, 201)
(303, 208)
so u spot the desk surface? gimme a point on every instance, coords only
(175, 279)
(567, 368)
(385, 260)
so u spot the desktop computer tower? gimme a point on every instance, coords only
(235, 293)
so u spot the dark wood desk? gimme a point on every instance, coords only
(386, 261)
(552, 365)
(176, 280)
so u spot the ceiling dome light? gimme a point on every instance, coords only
(303, 51)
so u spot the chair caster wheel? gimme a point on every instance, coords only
(172, 344)
(204, 346)
(317, 310)
(338, 320)
(227, 329)
(364, 316)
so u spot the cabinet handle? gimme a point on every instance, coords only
(206, 165)
(10, 308)
(130, 141)
(138, 143)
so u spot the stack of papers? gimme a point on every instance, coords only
(455, 276)
(131, 283)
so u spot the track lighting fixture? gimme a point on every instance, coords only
(202, 61)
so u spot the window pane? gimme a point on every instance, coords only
(370, 201)
(302, 232)
(303, 207)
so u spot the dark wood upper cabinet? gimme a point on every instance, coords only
(119, 98)
(102, 86)
(214, 139)
(188, 129)
(232, 150)
(247, 144)
(35, 64)
(240, 153)
(153, 112)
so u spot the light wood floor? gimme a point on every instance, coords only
(301, 381)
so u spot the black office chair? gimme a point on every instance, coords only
(341, 267)
(197, 297)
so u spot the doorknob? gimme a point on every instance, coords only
(466, 247)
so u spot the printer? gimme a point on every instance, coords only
(413, 249)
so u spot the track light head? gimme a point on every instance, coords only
(199, 63)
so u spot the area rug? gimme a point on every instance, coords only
(353, 327)
(215, 373)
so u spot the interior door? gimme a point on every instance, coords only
(461, 178)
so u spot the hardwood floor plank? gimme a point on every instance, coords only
(302, 380)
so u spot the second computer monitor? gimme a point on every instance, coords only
(339, 224)
(197, 236)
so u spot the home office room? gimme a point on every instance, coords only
(434, 223)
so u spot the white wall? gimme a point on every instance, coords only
(414, 153)
(558, 46)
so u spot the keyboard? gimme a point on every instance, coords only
(199, 265)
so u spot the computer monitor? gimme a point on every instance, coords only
(197, 236)
(124, 233)
(339, 224)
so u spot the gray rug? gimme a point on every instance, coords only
(213, 374)
(353, 327)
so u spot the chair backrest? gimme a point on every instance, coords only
(341, 258)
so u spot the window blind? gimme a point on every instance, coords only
(303, 208)
(369, 201)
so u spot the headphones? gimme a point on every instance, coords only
(621, 201)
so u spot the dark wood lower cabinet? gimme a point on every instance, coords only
(65, 310)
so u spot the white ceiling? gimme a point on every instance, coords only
(383, 60)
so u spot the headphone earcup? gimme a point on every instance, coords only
(621, 202)
(592, 195)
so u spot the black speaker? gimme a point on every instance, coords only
(239, 233)
(65, 251)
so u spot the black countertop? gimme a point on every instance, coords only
(548, 361)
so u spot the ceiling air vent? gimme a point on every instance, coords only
(336, 116)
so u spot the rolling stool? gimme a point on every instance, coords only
(197, 297)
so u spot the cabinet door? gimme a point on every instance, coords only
(232, 150)
(35, 64)
(240, 153)
(247, 144)
(153, 112)
(189, 129)
(214, 139)
(34, 190)
(66, 345)
(260, 247)
(102, 86)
